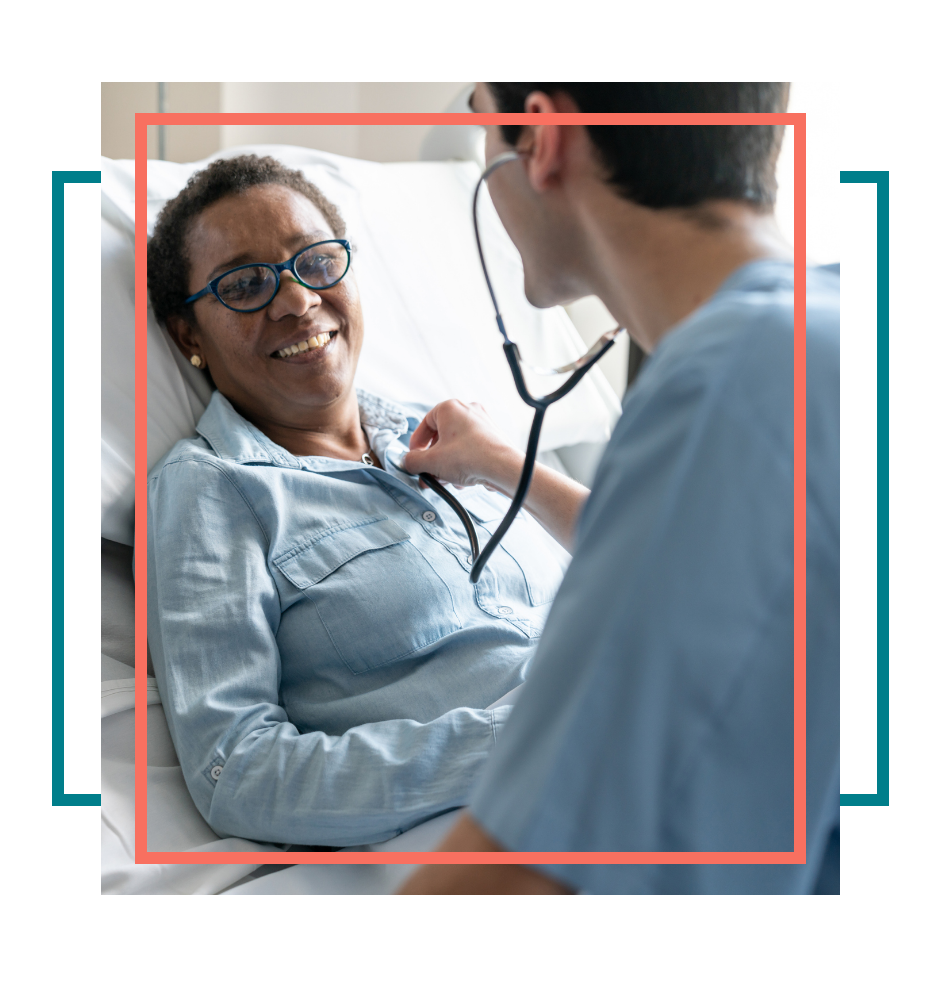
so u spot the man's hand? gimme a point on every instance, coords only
(458, 443)
(473, 880)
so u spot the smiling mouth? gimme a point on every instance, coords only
(314, 342)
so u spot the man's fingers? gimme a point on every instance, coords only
(423, 435)
(447, 441)
(414, 462)
(421, 461)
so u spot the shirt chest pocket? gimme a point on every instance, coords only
(377, 597)
(541, 560)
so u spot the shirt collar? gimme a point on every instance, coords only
(759, 275)
(235, 439)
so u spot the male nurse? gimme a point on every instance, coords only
(658, 711)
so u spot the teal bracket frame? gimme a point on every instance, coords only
(879, 799)
(882, 797)
(60, 797)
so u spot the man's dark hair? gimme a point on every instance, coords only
(669, 166)
(168, 260)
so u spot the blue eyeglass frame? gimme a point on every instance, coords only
(278, 268)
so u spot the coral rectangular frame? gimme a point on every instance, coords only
(798, 854)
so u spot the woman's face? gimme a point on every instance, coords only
(270, 223)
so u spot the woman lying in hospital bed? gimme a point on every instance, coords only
(325, 665)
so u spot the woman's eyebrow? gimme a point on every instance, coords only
(314, 236)
(234, 261)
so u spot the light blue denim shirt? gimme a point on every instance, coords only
(323, 660)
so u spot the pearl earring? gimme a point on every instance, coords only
(196, 361)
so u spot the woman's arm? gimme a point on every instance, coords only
(214, 611)
(457, 443)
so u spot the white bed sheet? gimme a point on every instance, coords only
(174, 823)
(340, 879)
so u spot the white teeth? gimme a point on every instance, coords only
(314, 342)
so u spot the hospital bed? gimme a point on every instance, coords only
(428, 337)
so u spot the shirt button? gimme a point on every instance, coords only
(428, 516)
(216, 771)
(505, 610)
(468, 559)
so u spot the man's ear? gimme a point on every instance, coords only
(185, 336)
(543, 145)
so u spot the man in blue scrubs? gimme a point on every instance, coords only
(658, 711)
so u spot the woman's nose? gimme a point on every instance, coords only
(292, 298)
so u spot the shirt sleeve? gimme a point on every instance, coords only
(214, 610)
(658, 714)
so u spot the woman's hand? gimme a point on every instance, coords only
(458, 443)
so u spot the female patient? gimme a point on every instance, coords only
(324, 662)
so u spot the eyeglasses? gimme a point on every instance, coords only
(253, 286)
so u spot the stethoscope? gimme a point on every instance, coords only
(577, 369)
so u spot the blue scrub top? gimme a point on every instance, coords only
(658, 713)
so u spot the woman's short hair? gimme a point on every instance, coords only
(674, 166)
(168, 260)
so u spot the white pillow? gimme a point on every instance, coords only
(430, 332)
(178, 393)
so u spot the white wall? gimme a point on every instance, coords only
(372, 143)
(823, 215)
(121, 100)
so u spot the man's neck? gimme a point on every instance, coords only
(653, 268)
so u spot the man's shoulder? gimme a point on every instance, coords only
(755, 309)
(741, 342)
(719, 389)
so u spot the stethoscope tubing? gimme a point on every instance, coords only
(539, 404)
(433, 483)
